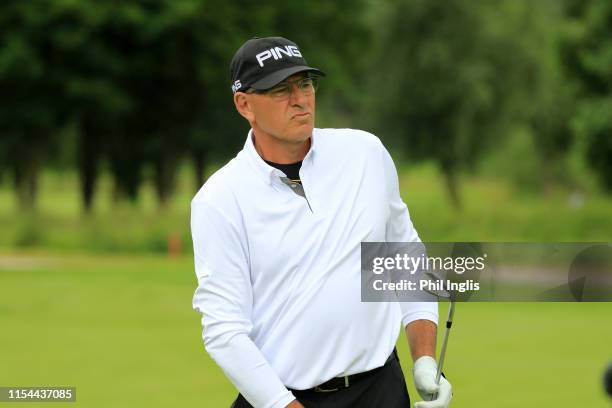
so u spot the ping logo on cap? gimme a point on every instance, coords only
(236, 86)
(277, 53)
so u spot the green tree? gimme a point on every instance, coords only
(451, 79)
(81, 57)
(31, 113)
(146, 84)
(588, 60)
(547, 98)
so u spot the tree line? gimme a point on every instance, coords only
(137, 88)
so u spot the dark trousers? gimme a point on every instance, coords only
(386, 388)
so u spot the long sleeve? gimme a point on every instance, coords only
(224, 297)
(400, 229)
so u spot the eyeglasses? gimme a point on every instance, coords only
(283, 89)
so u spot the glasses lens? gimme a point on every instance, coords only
(283, 90)
(308, 85)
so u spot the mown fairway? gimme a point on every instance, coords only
(121, 329)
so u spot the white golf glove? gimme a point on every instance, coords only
(424, 374)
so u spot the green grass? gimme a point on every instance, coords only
(121, 329)
(496, 210)
(493, 210)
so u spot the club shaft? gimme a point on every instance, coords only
(449, 323)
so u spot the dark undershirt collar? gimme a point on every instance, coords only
(292, 170)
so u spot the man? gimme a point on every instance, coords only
(277, 234)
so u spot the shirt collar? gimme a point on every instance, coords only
(266, 172)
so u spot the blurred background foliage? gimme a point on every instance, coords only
(499, 114)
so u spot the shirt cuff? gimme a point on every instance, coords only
(420, 315)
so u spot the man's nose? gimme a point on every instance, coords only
(297, 96)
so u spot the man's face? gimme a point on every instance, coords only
(285, 117)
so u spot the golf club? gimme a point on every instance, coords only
(449, 323)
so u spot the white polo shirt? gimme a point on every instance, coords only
(279, 273)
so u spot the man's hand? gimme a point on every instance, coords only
(424, 374)
(295, 404)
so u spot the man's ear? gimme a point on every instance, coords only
(243, 106)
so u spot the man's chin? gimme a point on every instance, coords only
(303, 138)
(298, 137)
(304, 132)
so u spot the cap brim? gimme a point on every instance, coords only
(276, 77)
